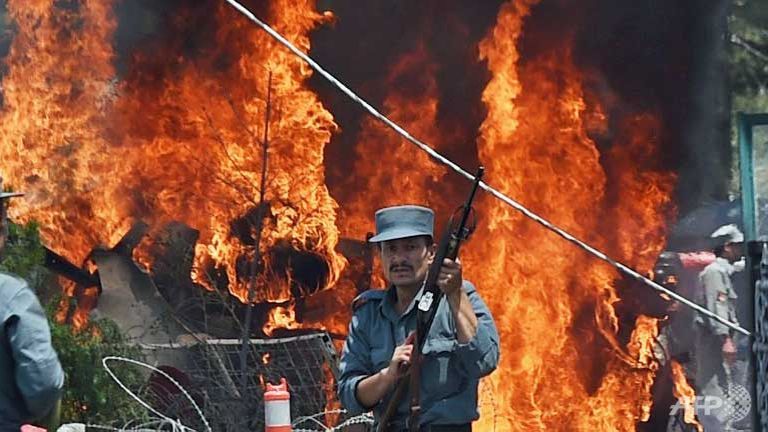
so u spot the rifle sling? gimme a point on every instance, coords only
(415, 386)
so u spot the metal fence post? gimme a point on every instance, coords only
(757, 280)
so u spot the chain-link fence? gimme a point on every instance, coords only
(232, 401)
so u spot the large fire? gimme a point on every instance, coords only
(555, 304)
(179, 136)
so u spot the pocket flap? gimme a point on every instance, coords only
(439, 345)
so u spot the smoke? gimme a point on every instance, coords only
(648, 55)
(668, 58)
(366, 43)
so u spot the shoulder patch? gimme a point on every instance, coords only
(365, 297)
(10, 287)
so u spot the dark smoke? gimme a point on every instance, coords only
(651, 55)
(670, 57)
(366, 42)
(667, 57)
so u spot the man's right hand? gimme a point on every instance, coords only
(400, 362)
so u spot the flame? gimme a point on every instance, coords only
(75, 305)
(202, 105)
(280, 317)
(333, 408)
(176, 138)
(411, 175)
(265, 358)
(143, 257)
(563, 364)
(685, 395)
(640, 348)
(57, 94)
(86, 302)
(262, 382)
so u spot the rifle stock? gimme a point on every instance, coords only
(391, 410)
(448, 247)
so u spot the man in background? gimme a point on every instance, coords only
(715, 347)
(31, 377)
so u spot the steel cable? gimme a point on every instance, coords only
(507, 200)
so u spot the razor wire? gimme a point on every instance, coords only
(176, 424)
(365, 418)
(485, 186)
(156, 425)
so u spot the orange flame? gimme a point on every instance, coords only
(57, 94)
(182, 143)
(553, 304)
(410, 174)
(685, 395)
(332, 406)
(280, 318)
(223, 111)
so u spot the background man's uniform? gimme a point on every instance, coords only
(450, 371)
(712, 374)
(31, 378)
(720, 298)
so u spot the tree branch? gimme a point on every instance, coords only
(748, 47)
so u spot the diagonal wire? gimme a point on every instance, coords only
(485, 186)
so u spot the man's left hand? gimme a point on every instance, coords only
(729, 351)
(450, 279)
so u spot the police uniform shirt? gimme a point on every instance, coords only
(450, 371)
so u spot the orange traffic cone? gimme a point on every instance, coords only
(277, 407)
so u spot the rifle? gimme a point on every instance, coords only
(431, 296)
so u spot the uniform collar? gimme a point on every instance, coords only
(390, 300)
(725, 264)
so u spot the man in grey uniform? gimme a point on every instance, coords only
(31, 378)
(461, 347)
(715, 349)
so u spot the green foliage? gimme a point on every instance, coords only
(748, 26)
(24, 254)
(749, 55)
(90, 394)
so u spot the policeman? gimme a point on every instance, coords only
(31, 377)
(715, 349)
(462, 345)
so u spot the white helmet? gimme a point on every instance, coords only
(728, 234)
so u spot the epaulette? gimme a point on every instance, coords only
(365, 297)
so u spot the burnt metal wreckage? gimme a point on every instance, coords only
(196, 336)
